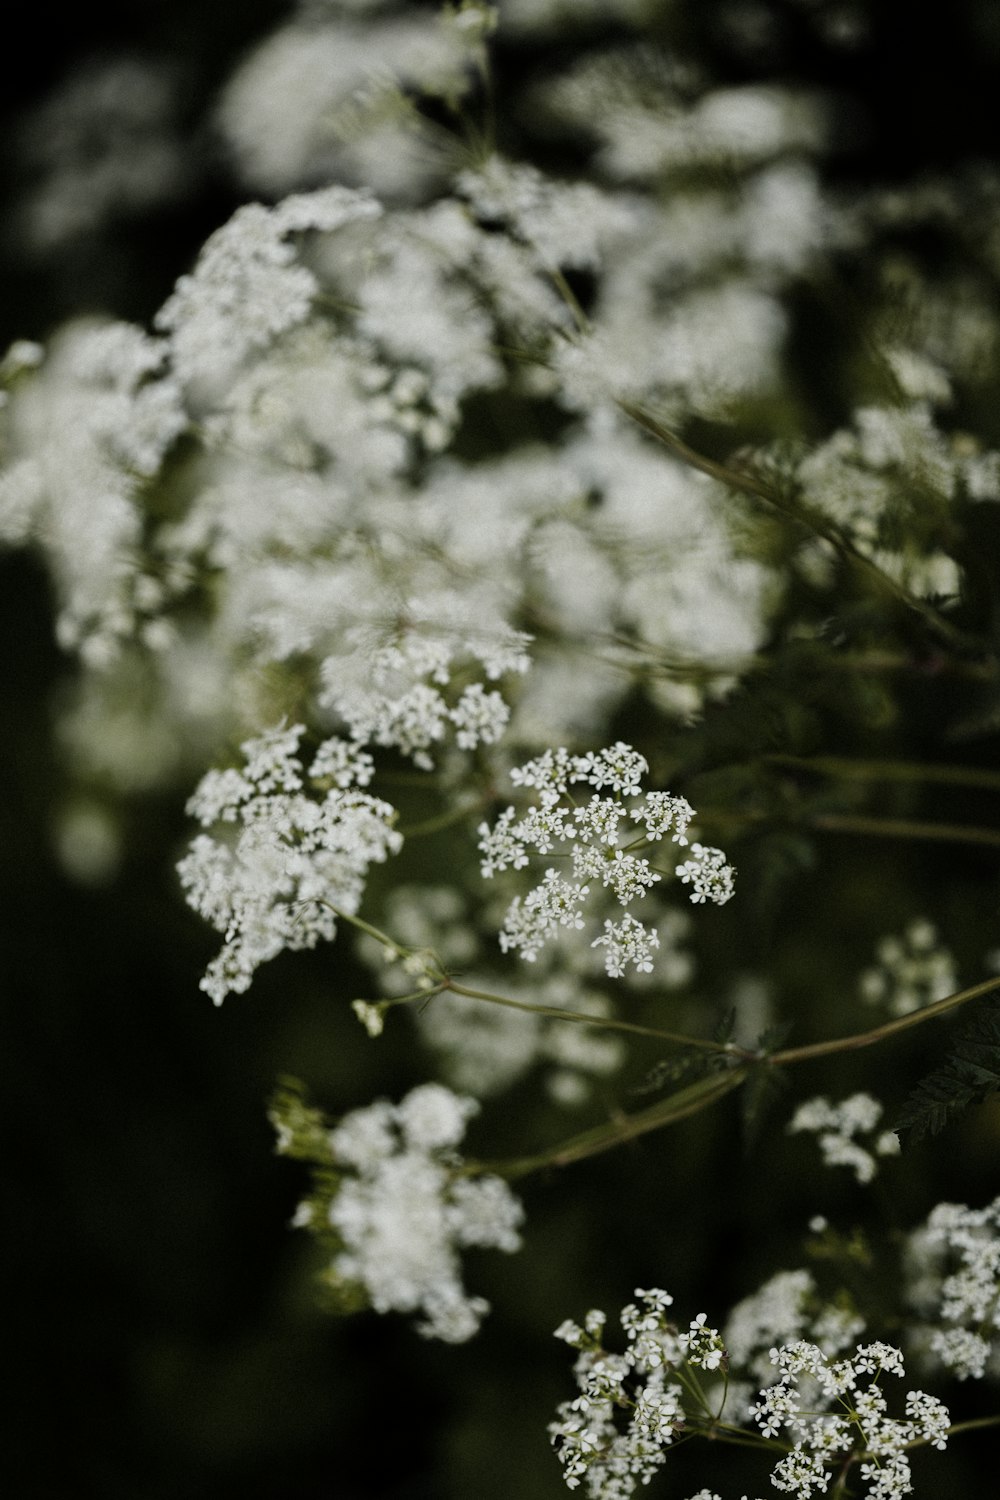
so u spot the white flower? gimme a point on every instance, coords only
(708, 874)
(530, 922)
(823, 1437)
(839, 1125)
(954, 1260)
(589, 835)
(247, 286)
(404, 1211)
(293, 856)
(627, 942)
(913, 970)
(617, 1457)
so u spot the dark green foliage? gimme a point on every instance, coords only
(302, 1129)
(688, 1064)
(967, 1076)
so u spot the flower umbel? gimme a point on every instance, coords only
(296, 854)
(394, 1205)
(841, 1415)
(589, 836)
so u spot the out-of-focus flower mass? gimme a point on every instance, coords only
(543, 542)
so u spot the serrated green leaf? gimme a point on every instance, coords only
(967, 1076)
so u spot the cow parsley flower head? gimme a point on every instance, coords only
(616, 1432)
(406, 692)
(248, 285)
(785, 1309)
(393, 1200)
(708, 874)
(839, 1127)
(845, 1412)
(82, 435)
(602, 851)
(912, 970)
(299, 847)
(858, 476)
(563, 224)
(953, 1267)
(332, 98)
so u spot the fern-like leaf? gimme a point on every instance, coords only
(688, 1064)
(968, 1075)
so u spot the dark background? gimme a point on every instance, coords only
(164, 1338)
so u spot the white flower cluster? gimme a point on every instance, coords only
(565, 224)
(315, 102)
(82, 439)
(832, 1410)
(965, 1301)
(404, 1211)
(707, 1494)
(845, 1414)
(295, 854)
(589, 1443)
(319, 362)
(786, 1308)
(912, 970)
(708, 874)
(860, 476)
(589, 834)
(248, 285)
(393, 695)
(840, 1125)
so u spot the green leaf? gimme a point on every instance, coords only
(967, 1076)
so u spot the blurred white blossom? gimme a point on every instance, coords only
(404, 1211)
(912, 970)
(841, 1129)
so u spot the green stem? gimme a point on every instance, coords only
(887, 661)
(840, 1482)
(813, 520)
(363, 926)
(906, 828)
(889, 828)
(704, 1092)
(972, 1425)
(605, 1022)
(888, 770)
(569, 297)
(600, 1138)
(889, 1028)
(741, 1437)
(655, 659)
(725, 1395)
(410, 998)
(443, 820)
(733, 479)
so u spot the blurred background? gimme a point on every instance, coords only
(166, 1336)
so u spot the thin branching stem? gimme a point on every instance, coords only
(867, 827)
(606, 1023)
(814, 521)
(887, 1029)
(622, 1128)
(973, 1425)
(849, 769)
(708, 1090)
(443, 820)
